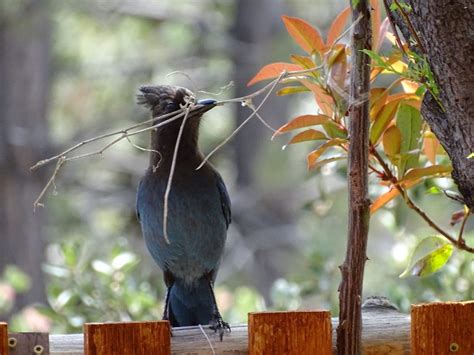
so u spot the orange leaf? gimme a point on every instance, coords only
(418, 173)
(324, 101)
(316, 154)
(389, 196)
(430, 147)
(308, 135)
(392, 140)
(302, 121)
(304, 34)
(378, 96)
(338, 25)
(402, 95)
(383, 120)
(271, 71)
(375, 18)
(409, 86)
(328, 160)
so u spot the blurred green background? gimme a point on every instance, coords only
(70, 70)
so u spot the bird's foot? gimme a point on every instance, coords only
(217, 324)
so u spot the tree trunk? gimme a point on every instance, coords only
(446, 34)
(24, 74)
(349, 330)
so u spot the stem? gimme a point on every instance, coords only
(349, 331)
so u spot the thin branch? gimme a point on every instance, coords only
(274, 83)
(207, 338)
(463, 224)
(188, 107)
(37, 202)
(458, 243)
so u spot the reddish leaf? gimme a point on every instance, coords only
(316, 154)
(376, 19)
(378, 97)
(392, 140)
(338, 25)
(430, 147)
(302, 121)
(418, 173)
(272, 71)
(307, 37)
(328, 160)
(324, 101)
(308, 135)
(389, 196)
(457, 217)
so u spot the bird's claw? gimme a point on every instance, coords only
(218, 324)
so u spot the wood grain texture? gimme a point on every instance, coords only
(384, 331)
(292, 333)
(3, 338)
(138, 338)
(443, 328)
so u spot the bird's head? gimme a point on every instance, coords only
(165, 99)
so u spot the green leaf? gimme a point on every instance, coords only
(428, 257)
(409, 122)
(18, 279)
(470, 156)
(289, 90)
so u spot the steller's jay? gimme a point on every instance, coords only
(198, 212)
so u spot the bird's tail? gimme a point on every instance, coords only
(191, 304)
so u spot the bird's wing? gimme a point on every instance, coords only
(225, 200)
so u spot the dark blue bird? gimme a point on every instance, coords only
(198, 212)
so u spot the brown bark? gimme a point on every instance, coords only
(350, 319)
(445, 32)
(24, 78)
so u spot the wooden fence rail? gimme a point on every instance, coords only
(440, 328)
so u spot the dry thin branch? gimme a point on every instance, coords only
(187, 107)
(37, 202)
(273, 83)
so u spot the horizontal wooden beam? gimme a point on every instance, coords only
(385, 331)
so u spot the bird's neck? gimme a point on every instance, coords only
(163, 143)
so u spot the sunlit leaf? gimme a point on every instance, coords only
(308, 135)
(417, 173)
(338, 25)
(382, 120)
(375, 18)
(324, 101)
(470, 156)
(336, 54)
(123, 260)
(429, 256)
(290, 90)
(382, 32)
(326, 161)
(304, 61)
(392, 139)
(409, 123)
(388, 196)
(410, 87)
(305, 35)
(301, 122)
(272, 71)
(102, 267)
(316, 154)
(378, 97)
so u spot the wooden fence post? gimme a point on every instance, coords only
(3, 338)
(138, 338)
(443, 328)
(292, 333)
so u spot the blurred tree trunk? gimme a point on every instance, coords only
(24, 91)
(445, 31)
(254, 33)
